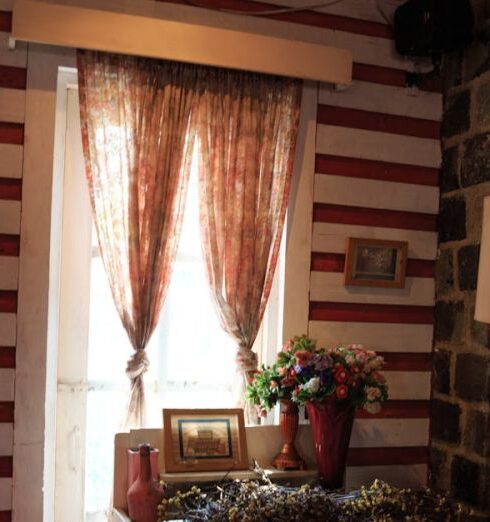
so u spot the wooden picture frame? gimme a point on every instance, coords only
(204, 440)
(375, 263)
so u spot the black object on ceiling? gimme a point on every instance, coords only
(432, 27)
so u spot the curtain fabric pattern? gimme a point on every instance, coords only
(137, 139)
(248, 125)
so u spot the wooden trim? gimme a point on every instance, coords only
(371, 313)
(331, 262)
(5, 21)
(347, 215)
(13, 77)
(9, 245)
(399, 409)
(8, 301)
(372, 169)
(306, 17)
(146, 35)
(387, 456)
(378, 122)
(11, 188)
(7, 356)
(406, 361)
(389, 76)
(6, 467)
(6, 411)
(11, 133)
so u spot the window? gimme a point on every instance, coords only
(192, 360)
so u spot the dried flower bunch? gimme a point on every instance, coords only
(256, 501)
(303, 372)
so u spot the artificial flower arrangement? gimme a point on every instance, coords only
(304, 372)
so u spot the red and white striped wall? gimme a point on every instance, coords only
(12, 106)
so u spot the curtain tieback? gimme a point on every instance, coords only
(137, 365)
(246, 358)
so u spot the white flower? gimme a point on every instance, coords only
(372, 407)
(313, 385)
(350, 359)
(372, 393)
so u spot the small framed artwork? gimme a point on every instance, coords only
(204, 440)
(375, 262)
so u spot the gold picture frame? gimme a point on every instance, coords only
(204, 440)
(375, 263)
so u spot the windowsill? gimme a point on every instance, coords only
(213, 476)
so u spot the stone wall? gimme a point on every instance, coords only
(460, 448)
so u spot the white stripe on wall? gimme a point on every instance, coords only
(7, 329)
(12, 105)
(5, 494)
(9, 271)
(367, 144)
(378, 433)
(386, 99)
(332, 238)
(9, 217)
(15, 58)
(6, 438)
(11, 164)
(329, 286)
(382, 337)
(398, 476)
(408, 385)
(7, 377)
(371, 193)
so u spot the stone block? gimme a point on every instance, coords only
(468, 257)
(449, 321)
(439, 469)
(474, 212)
(471, 382)
(465, 480)
(445, 421)
(441, 371)
(444, 272)
(456, 119)
(450, 170)
(452, 70)
(475, 432)
(483, 105)
(475, 163)
(452, 219)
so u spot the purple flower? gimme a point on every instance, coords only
(322, 362)
(326, 377)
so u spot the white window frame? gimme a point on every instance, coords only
(35, 382)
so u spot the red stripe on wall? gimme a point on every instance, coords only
(10, 188)
(374, 217)
(330, 262)
(406, 361)
(12, 133)
(399, 409)
(8, 301)
(6, 21)
(6, 466)
(7, 356)
(371, 169)
(9, 245)
(387, 456)
(378, 122)
(6, 411)
(371, 313)
(5, 516)
(305, 17)
(389, 76)
(13, 77)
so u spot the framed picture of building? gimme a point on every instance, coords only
(204, 440)
(375, 262)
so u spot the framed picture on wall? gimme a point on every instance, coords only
(204, 440)
(375, 263)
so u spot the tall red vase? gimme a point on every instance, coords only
(331, 427)
(288, 457)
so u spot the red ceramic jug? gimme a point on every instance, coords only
(144, 494)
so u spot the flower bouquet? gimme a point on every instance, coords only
(331, 383)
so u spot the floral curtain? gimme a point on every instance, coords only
(137, 141)
(247, 134)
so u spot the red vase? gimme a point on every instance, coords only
(331, 427)
(288, 457)
(144, 494)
